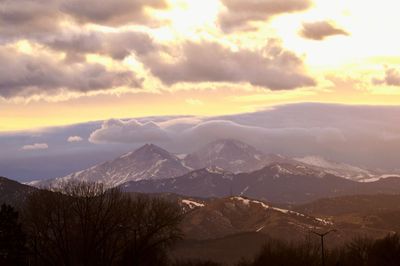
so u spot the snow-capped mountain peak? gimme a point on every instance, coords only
(231, 155)
(147, 162)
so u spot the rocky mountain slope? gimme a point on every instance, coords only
(147, 162)
(12, 192)
(232, 215)
(278, 182)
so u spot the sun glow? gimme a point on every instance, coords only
(186, 17)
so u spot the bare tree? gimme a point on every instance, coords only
(151, 230)
(84, 224)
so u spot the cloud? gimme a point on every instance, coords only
(36, 18)
(272, 67)
(36, 146)
(117, 45)
(119, 131)
(320, 30)
(363, 135)
(392, 78)
(239, 13)
(28, 18)
(111, 12)
(211, 130)
(28, 74)
(184, 133)
(75, 139)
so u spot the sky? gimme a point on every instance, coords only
(72, 61)
(82, 81)
(366, 136)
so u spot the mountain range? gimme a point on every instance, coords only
(278, 182)
(151, 162)
(226, 229)
(230, 167)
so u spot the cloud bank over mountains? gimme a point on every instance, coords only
(132, 131)
(337, 131)
(362, 135)
(296, 128)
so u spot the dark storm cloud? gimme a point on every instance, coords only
(320, 30)
(117, 45)
(25, 75)
(238, 13)
(272, 67)
(392, 78)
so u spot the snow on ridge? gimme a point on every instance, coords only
(192, 204)
(281, 170)
(257, 157)
(243, 200)
(215, 170)
(265, 206)
(323, 163)
(244, 190)
(126, 155)
(237, 162)
(261, 228)
(181, 156)
(377, 178)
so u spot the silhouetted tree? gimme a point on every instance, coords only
(84, 224)
(152, 228)
(359, 252)
(12, 238)
(385, 251)
(356, 252)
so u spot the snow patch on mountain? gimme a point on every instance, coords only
(247, 202)
(344, 170)
(192, 204)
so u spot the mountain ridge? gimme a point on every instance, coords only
(151, 162)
